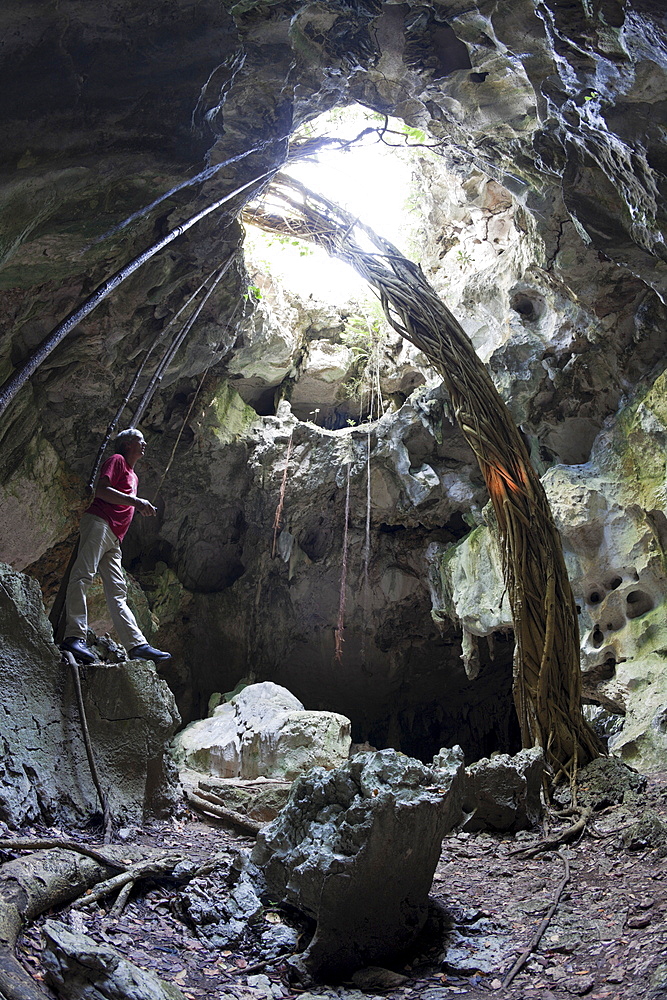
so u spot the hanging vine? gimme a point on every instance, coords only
(340, 625)
(277, 521)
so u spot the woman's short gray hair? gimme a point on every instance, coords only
(124, 438)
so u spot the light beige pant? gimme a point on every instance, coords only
(99, 552)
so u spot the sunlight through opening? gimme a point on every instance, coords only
(368, 178)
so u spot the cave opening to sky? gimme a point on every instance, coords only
(368, 176)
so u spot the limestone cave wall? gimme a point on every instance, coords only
(543, 229)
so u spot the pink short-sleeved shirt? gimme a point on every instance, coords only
(121, 477)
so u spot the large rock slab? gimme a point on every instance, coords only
(355, 850)
(131, 714)
(263, 731)
(82, 969)
(503, 792)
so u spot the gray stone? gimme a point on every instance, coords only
(222, 904)
(648, 833)
(659, 982)
(607, 781)
(44, 770)
(262, 984)
(279, 939)
(355, 850)
(503, 792)
(81, 969)
(263, 731)
(476, 943)
(568, 931)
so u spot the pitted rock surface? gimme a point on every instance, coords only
(327, 853)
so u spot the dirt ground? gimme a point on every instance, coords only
(606, 938)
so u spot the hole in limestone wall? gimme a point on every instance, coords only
(605, 722)
(606, 671)
(529, 305)
(316, 540)
(638, 603)
(615, 624)
(660, 721)
(597, 638)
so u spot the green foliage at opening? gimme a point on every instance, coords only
(366, 336)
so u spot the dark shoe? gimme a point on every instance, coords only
(146, 652)
(78, 649)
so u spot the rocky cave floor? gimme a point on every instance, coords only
(606, 939)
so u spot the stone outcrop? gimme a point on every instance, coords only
(263, 731)
(228, 905)
(327, 853)
(131, 716)
(504, 793)
(82, 969)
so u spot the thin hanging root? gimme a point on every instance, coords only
(281, 499)
(135, 380)
(176, 343)
(340, 627)
(191, 407)
(16, 381)
(367, 550)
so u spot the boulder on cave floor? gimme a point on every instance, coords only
(606, 781)
(79, 968)
(503, 792)
(44, 771)
(263, 731)
(355, 850)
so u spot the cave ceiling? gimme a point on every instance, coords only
(111, 109)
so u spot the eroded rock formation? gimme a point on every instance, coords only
(326, 854)
(130, 712)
